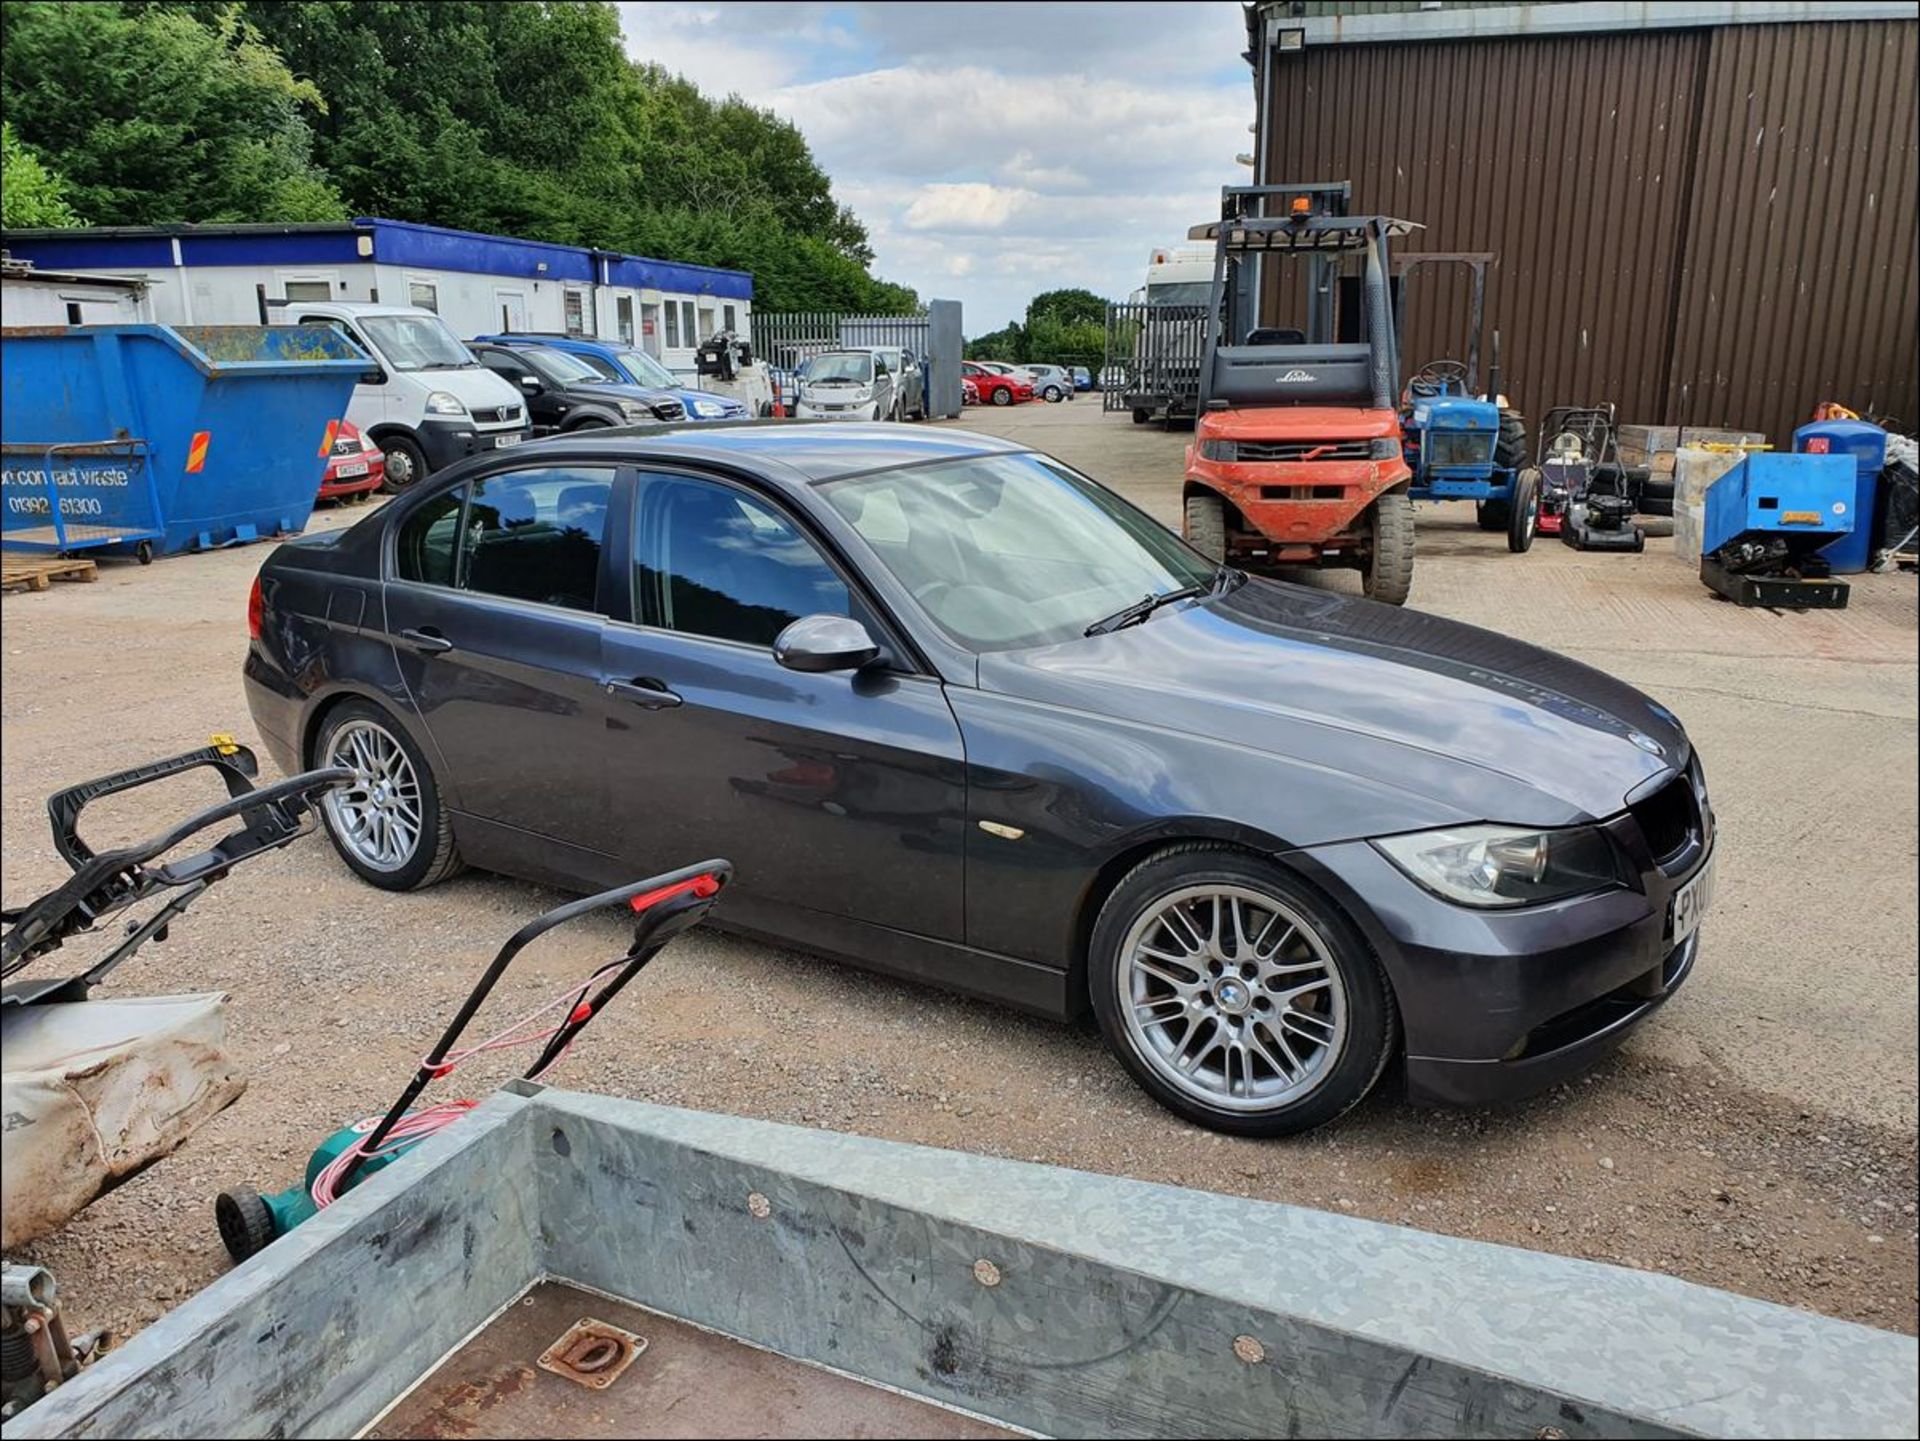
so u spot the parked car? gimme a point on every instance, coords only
(1051, 383)
(426, 402)
(355, 468)
(626, 365)
(910, 392)
(995, 385)
(958, 712)
(1113, 377)
(969, 392)
(846, 385)
(1082, 377)
(565, 393)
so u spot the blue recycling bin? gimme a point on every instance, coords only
(156, 439)
(1866, 446)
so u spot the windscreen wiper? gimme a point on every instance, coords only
(1225, 578)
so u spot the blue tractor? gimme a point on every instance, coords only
(1461, 442)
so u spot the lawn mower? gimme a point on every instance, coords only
(1587, 496)
(663, 906)
(94, 1091)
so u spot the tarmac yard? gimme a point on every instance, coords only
(1757, 1134)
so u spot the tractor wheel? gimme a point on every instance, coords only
(1142, 415)
(1206, 525)
(1388, 575)
(1510, 456)
(1525, 519)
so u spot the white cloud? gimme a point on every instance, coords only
(992, 150)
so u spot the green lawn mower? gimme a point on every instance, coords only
(663, 907)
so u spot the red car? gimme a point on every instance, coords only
(969, 392)
(354, 468)
(995, 388)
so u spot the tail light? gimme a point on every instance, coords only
(256, 609)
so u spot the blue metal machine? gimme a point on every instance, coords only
(1767, 519)
(1458, 449)
(1866, 445)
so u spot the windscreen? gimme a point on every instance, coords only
(857, 369)
(417, 342)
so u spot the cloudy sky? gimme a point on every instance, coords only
(993, 151)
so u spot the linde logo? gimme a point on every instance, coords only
(1294, 377)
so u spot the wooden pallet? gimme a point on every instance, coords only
(19, 572)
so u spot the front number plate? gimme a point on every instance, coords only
(501, 442)
(1690, 903)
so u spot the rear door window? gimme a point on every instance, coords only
(534, 535)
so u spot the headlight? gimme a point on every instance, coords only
(445, 402)
(707, 409)
(1384, 448)
(863, 395)
(1226, 450)
(1492, 866)
(634, 410)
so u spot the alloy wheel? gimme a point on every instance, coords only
(1232, 997)
(378, 817)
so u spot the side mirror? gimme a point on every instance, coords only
(531, 384)
(817, 643)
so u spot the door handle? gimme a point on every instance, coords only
(645, 692)
(427, 640)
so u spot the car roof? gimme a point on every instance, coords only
(794, 451)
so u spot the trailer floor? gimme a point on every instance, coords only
(688, 1382)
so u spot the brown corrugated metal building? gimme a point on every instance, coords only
(1705, 220)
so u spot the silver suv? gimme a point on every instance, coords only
(1052, 383)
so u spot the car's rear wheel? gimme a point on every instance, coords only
(1239, 998)
(390, 826)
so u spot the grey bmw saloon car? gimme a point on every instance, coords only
(959, 713)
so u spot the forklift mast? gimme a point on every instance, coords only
(1245, 364)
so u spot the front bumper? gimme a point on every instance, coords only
(1497, 1005)
(446, 441)
(812, 411)
(1297, 507)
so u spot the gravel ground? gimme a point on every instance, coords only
(1758, 1135)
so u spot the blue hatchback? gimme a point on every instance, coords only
(625, 365)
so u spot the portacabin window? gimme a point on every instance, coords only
(673, 325)
(533, 535)
(424, 294)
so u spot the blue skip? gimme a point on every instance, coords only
(153, 439)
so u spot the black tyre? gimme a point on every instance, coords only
(590, 422)
(1492, 515)
(1003, 395)
(1054, 394)
(143, 552)
(1236, 995)
(1525, 517)
(246, 1225)
(406, 463)
(390, 826)
(1206, 525)
(1388, 574)
(1142, 415)
(1510, 449)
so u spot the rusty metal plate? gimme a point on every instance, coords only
(592, 1353)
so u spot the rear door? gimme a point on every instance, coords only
(494, 611)
(840, 798)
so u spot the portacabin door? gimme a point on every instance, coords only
(494, 611)
(839, 797)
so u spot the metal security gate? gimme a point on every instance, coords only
(1153, 356)
(787, 339)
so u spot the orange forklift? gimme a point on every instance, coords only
(1298, 455)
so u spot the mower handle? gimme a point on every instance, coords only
(664, 905)
(275, 815)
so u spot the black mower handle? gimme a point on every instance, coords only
(274, 814)
(664, 906)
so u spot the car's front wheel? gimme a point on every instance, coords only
(1003, 395)
(390, 825)
(1238, 997)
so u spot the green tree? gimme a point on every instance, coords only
(153, 116)
(1067, 307)
(30, 194)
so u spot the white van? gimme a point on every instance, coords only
(431, 402)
